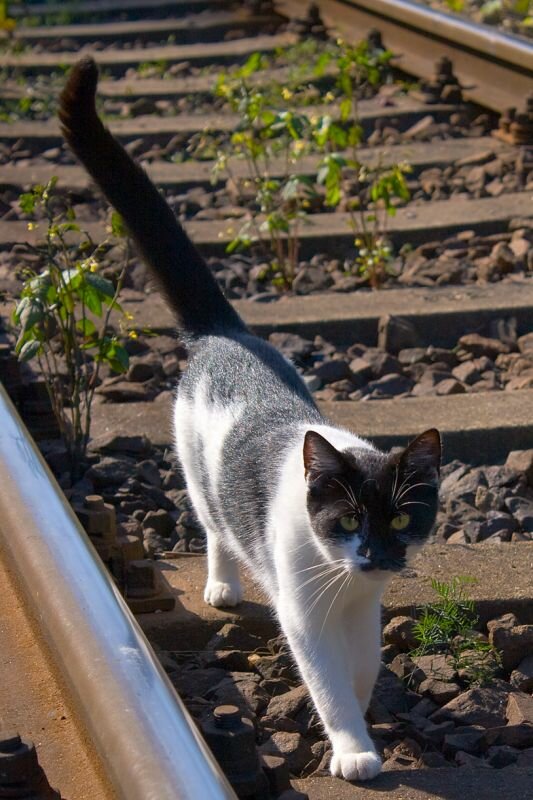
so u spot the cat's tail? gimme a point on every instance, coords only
(179, 269)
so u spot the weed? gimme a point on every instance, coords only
(447, 626)
(63, 317)
(281, 202)
(272, 127)
(345, 178)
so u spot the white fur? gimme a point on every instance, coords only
(331, 619)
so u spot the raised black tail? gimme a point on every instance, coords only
(179, 269)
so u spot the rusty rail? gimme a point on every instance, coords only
(495, 68)
(148, 744)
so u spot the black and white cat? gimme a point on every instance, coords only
(320, 516)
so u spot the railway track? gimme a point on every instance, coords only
(465, 248)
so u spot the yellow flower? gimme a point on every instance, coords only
(133, 334)
(32, 226)
(286, 93)
(329, 97)
(298, 146)
(128, 315)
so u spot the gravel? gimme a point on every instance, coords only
(416, 724)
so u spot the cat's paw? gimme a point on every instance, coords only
(221, 594)
(355, 766)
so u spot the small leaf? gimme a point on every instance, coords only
(102, 285)
(118, 227)
(29, 350)
(86, 326)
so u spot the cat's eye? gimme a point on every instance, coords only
(400, 522)
(349, 523)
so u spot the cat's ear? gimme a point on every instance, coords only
(320, 457)
(423, 454)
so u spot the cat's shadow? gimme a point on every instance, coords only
(446, 783)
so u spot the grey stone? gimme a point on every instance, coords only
(110, 471)
(519, 708)
(399, 632)
(436, 733)
(390, 692)
(148, 472)
(233, 637)
(197, 682)
(467, 373)
(381, 363)
(522, 461)
(439, 691)
(514, 643)
(160, 521)
(391, 384)
(241, 689)
(397, 333)
(289, 703)
(497, 523)
(479, 706)
(522, 677)
(500, 756)
(292, 747)
(463, 759)
(332, 371)
(468, 742)
(482, 346)
(450, 386)
(437, 666)
(293, 347)
(138, 446)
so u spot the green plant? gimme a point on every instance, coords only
(63, 316)
(279, 202)
(7, 23)
(342, 172)
(447, 626)
(272, 137)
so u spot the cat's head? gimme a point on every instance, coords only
(372, 509)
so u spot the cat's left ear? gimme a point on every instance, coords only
(321, 458)
(423, 454)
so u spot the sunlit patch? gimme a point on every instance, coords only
(349, 523)
(400, 522)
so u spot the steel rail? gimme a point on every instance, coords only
(149, 746)
(495, 68)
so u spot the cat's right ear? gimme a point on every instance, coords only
(321, 459)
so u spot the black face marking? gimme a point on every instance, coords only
(393, 499)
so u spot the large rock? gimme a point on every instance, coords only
(400, 632)
(291, 746)
(482, 346)
(522, 677)
(233, 637)
(480, 706)
(111, 471)
(397, 333)
(521, 461)
(514, 643)
(241, 689)
(289, 703)
(519, 708)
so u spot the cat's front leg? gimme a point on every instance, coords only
(223, 587)
(324, 661)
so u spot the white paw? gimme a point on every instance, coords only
(355, 766)
(221, 594)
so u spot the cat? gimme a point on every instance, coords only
(320, 516)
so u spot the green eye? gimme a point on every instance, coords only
(349, 523)
(400, 522)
